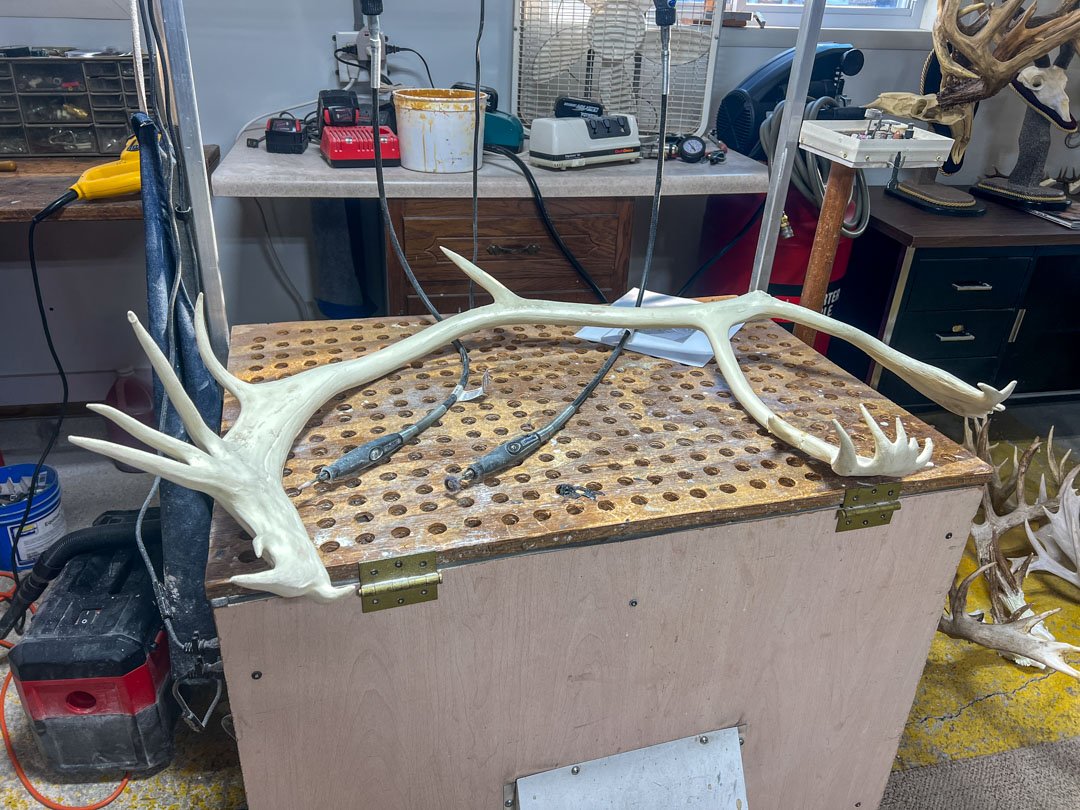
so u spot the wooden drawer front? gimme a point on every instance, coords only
(934, 335)
(987, 283)
(514, 247)
(971, 370)
(455, 301)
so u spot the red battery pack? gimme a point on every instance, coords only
(348, 147)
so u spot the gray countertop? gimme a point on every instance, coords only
(248, 172)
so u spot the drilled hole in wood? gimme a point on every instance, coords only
(329, 546)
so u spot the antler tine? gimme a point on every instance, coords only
(1014, 637)
(147, 435)
(189, 414)
(229, 382)
(176, 471)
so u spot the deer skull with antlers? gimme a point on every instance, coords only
(242, 470)
(981, 48)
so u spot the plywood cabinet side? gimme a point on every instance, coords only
(813, 639)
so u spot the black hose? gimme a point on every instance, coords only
(549, 226)
(52, 561)
(709, 262)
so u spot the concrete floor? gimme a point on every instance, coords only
(977, 724)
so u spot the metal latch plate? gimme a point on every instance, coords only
(868, 506)
(399, 581)
(700, 771)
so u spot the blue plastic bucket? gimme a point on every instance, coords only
(45, 525)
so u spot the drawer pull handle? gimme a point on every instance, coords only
(955, 337)
(972, 286)
(500, 250)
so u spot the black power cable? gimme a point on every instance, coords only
(476, 158)
(549, 226)
(518, 449)
(403, 49)
(754, 217)
(380, 450)
(40, 216)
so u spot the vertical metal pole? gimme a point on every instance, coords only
(790, 125)
(190, 146)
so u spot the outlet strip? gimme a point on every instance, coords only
(359, 40)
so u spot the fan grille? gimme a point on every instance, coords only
(609, 51)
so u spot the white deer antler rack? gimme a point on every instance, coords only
(242, 470)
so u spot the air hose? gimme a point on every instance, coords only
(810, 172)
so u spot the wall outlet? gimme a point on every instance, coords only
(347, 39)
(359, 40)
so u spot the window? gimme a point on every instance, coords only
(839, 13)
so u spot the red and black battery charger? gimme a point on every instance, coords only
(345, 147)
(93, 669)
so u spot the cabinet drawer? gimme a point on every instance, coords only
(972, 370)
(513, 249)
(942, 335)
(982, 283)
(450, 303)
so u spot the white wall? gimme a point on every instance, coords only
(252, 55)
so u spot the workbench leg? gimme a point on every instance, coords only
(826, 238)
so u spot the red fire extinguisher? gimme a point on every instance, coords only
(725, 216)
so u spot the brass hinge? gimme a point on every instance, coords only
(864, 507)
(399, 581)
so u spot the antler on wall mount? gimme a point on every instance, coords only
(242, 470)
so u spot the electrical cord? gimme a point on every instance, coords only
(476, 158)
(40, 216)
(809, 172)
(21, 774)
(380, 449)
(754, 217)
(545, 218)
(521, 447)
(304, 307)
(403, 49)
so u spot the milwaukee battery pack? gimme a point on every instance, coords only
(93, 669)
(346, 147)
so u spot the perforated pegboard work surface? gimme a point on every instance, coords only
(667, 445)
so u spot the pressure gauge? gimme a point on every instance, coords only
(691, 148)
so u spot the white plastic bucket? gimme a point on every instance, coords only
(435, 129)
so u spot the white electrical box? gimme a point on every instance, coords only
(852, 143)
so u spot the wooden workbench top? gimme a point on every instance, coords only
(39, 181)
(248, 172)
(666, 444)
(1001, 226)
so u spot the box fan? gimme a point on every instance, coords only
(609, 51)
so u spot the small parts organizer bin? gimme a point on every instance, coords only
(52, 106)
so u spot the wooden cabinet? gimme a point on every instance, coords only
(514, 247)
(990, 299)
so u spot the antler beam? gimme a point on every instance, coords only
(242, 470)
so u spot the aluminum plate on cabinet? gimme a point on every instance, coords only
(700, 771)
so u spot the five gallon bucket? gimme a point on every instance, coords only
(45, 525)
(435, 129)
